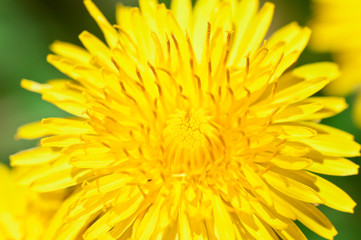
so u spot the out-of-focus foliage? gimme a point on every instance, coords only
(28, 27)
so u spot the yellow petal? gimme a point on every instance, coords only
(35, 156)
(111, 36)
(123, 17)
(290, 131)
(84, 74)
(241, 232)
(70, 101)
(297, 111)
(282, 207)
(61, 140)
(292, 232)
(313, 108)
(334, 197)
(303, 89)
(94, 160)
(274, 220)
(201, 15)
(262, 231)
(54, 180)
(182, 10)
(256, 31)
(33, 86)
(291, 162)
(32, 131)
(330, 107)
(294, 149)
(324, 129)
(171, 231)
(105, 184)
(97, 48)
(245, 11)
(259, 186)
(334, 166)
(291, 185)
(313, 218)
(295, 37)
(184, 227)
(326, 70)
(106, 232)
(198, 229)
(298, 41)
(71, 51)
(116, 220)
(65, 65)
(149, 222)
(332, 146)
(57, 229)
(60, 171)
(67, 126)
(222, 220)
(309, 215)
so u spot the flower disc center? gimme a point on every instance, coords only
(190, 141)
(188, 129)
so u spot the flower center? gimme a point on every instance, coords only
(189, 141)
(189, 129)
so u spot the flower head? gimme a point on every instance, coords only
(333, 23)
(186, 127)
(24, 214)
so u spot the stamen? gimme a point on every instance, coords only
(159, 89)
(122, 31)
(175, 43)
(169, 51)
(190, 47)
(191, 64)
(210, 81)
(122, 86)
(228, 75)
(274, 88)
(141, 86)
(116, 64)
(212, 98)
(158, 46)
(153, 71)
(247, 90)
(139, 76)
(228, 47)
(247, 64)
(208, 37)
(199, 83)
(209, 69)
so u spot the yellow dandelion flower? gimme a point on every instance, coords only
(336, 28)
(24, 214)
(185, 126)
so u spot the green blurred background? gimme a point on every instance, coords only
(28, 27)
